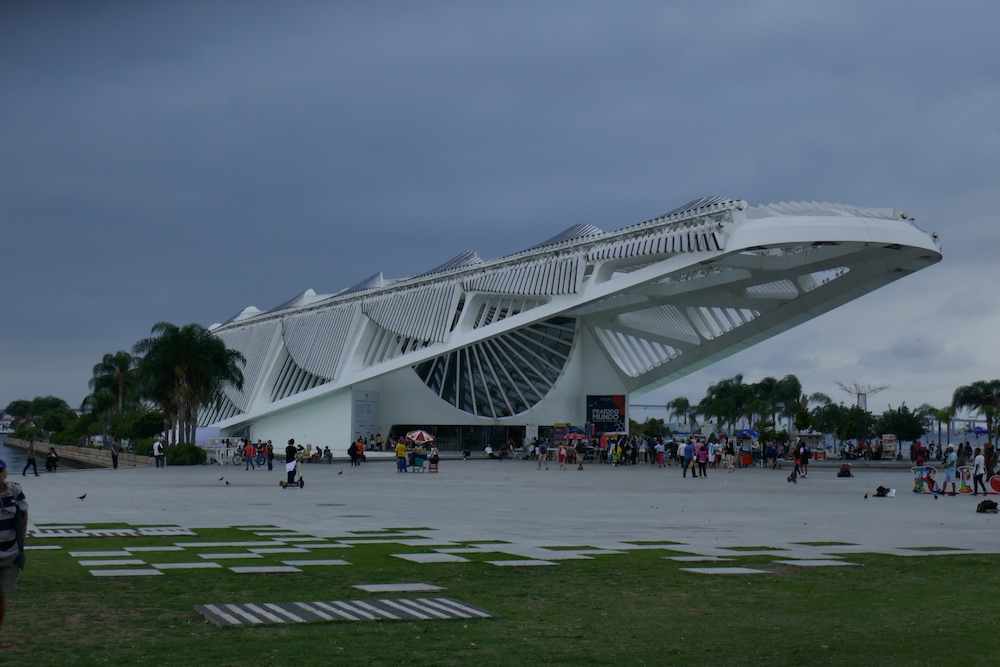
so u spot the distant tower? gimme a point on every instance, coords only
(862, 391)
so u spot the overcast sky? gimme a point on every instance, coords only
(179, 161)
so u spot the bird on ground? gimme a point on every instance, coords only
(935, 496)
(227, 483)
(82, 497)
(866, 496)
(341, 472)
(222, 478)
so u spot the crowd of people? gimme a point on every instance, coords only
(692, 454)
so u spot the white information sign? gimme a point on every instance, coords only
(364, 413)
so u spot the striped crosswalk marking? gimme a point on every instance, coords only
(339, 612)
(263, 612)
(253, 620)
(381, 612)
(314, 611)
(465, 608)
(420, 609)
(390, 603)
(231, 620)
(432, 603)
(278, 610)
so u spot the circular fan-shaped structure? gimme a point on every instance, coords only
(504, 375)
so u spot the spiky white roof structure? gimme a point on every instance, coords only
(522, 338)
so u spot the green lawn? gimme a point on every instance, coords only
(634, 608)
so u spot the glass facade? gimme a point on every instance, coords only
(504, 375)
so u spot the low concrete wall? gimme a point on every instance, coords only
(100, 458)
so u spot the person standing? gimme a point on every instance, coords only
(159, 458)
(250, 453)
(978, 472)
(13, 524)
(116, 448)
(352, 451)
(702, 455)
(269, 454)
(950, 461)
(290, 453)
(803, 459)
(401, 456)
(543, 455)
(688, 460)
(581, 452)
(260, 453)
(31, 460)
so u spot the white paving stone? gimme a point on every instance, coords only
(697, 559)
(813, 562)
(42, 547)
(73, 527)
(520, 563)
(723, 570)
(432, 558)
(322, 546)
(318, 561)
(152, 549)
(184, 566)
(265, 569)
(114, 561)
(228, 556)
(212, 545)
(126, 573)
(398, 588)
(98, 554)
(281, 550)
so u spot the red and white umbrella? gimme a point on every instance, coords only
(419, 437)
(575, 436)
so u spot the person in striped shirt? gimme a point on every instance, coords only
(13, 523)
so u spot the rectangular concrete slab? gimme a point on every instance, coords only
(432, 558)
(228, 556)
(42, 547)
(520, 563)
(317, 561)
(817, 562)
(152, 549)
(723, 570)
(398, 588)
(137, 572)
(697, 559)
(280, 550)
(113, 561)
(185, 566)
(98, 554)
(212, 545)
(265, 569)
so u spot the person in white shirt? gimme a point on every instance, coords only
(978, 472)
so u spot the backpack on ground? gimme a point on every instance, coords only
(987, 507)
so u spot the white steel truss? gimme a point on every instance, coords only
(661, 299)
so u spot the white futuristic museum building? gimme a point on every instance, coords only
(479, 351)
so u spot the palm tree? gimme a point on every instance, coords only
(983, 396)
(185, 369)
(680, 409)
(115, 375)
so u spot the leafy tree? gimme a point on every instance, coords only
(905, 424)
(681, 410)
(115, 375)
(185, 369)
(982, 396)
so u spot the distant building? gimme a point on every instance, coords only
(562, 332)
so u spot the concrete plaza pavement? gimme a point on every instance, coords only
(601, 506)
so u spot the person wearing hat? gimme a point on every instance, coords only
(13, 524)
(950, 461)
